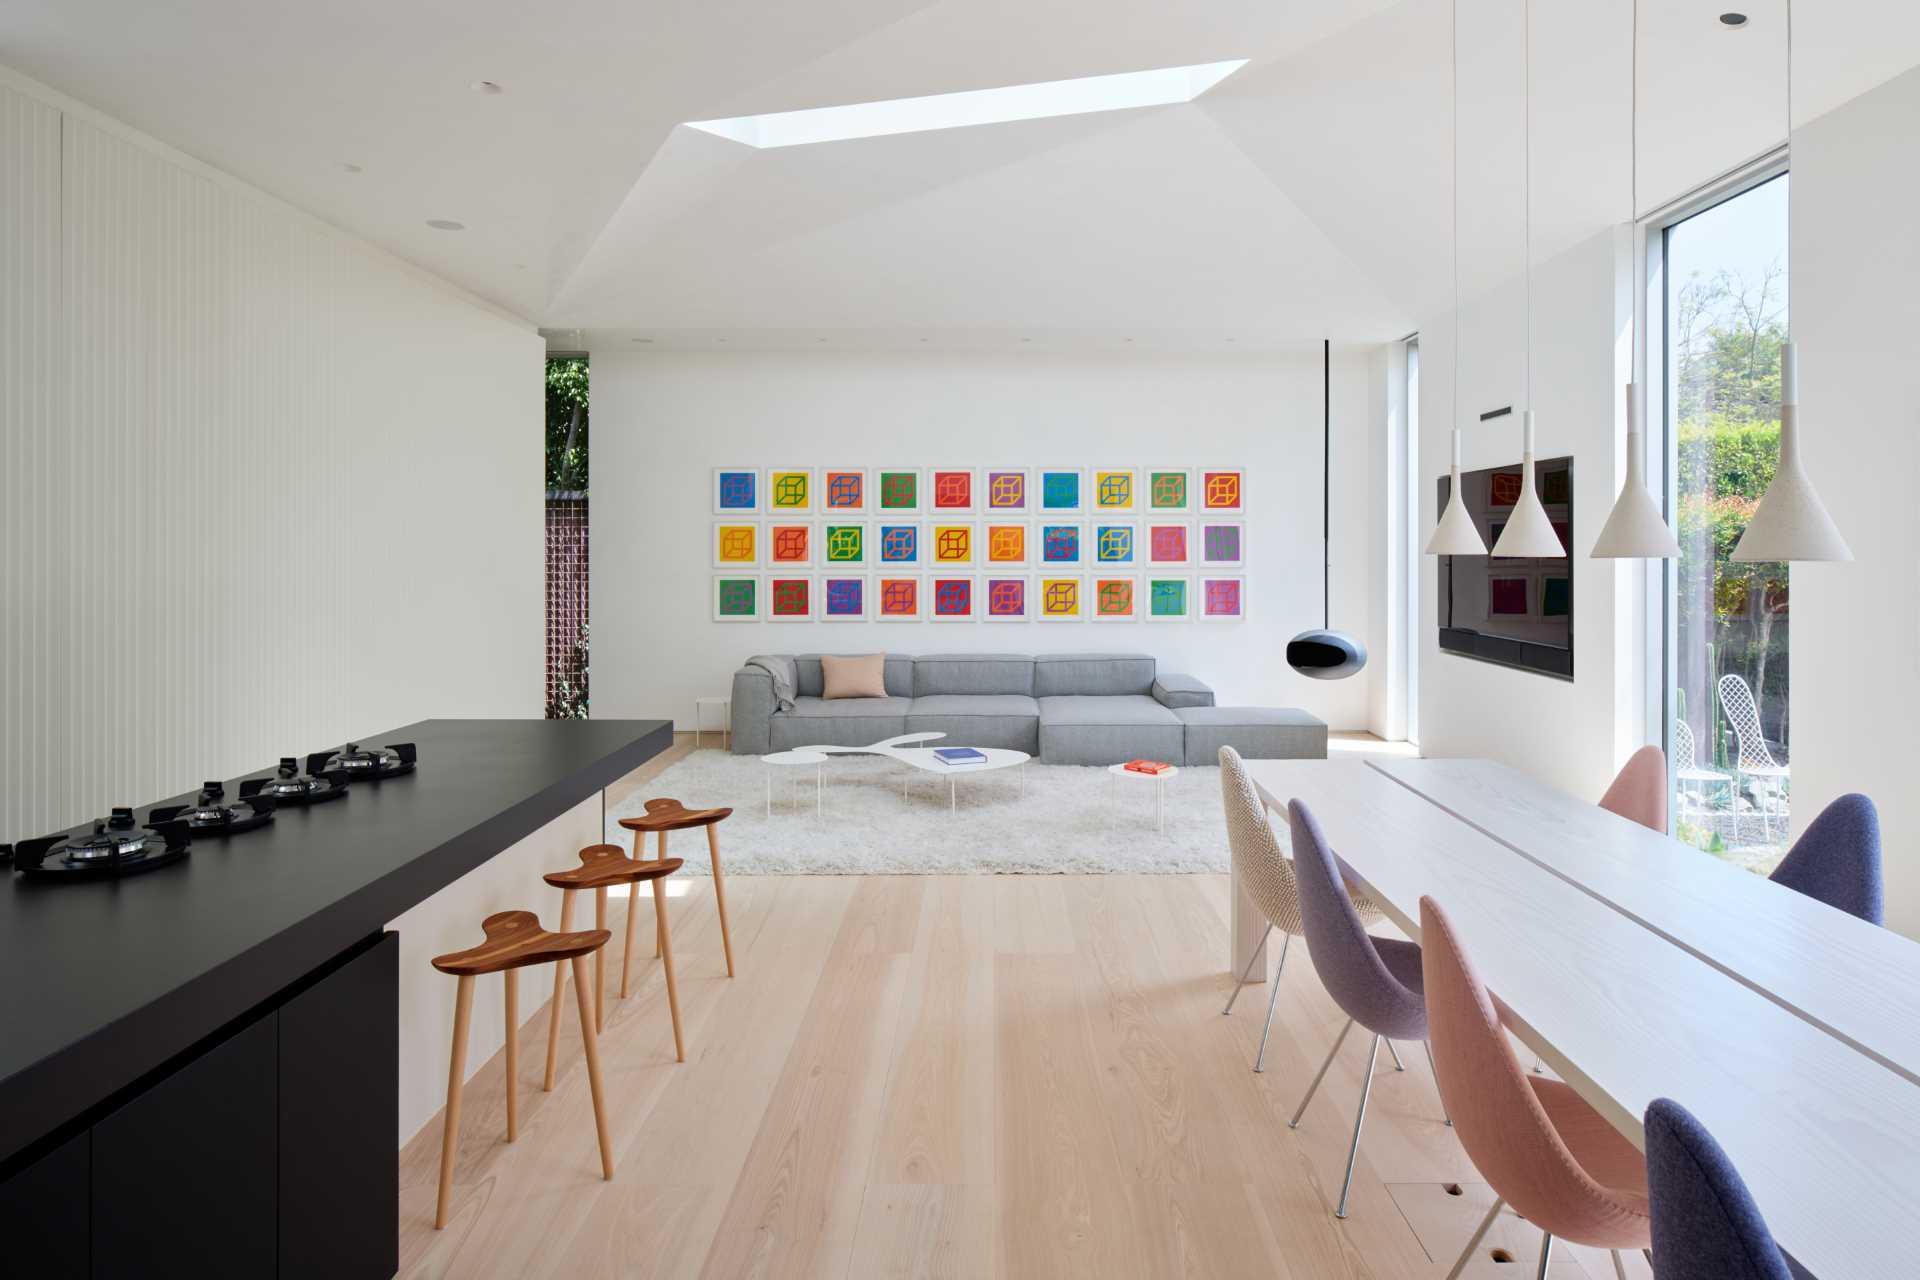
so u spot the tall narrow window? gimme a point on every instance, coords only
(1725, 282)
(566, 478)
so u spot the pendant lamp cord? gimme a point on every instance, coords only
(1790, 182)
(1454, 159)
(1326, 482)
(1526, 169)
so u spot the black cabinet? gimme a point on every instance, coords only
(43, 1215)
(339, 1121)
(183, 1174)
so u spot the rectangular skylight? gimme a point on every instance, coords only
(975, 106)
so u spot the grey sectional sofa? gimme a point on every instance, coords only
(1068, 708)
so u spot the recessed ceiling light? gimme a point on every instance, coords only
(643, 339)
(486, 87)
(1733, 19)
(349, 168)
(1083, 96)
(442, 224)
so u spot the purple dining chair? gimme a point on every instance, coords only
(1375, 981)
(1837, 859)
(1705, 1223)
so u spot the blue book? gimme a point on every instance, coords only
(958, 755)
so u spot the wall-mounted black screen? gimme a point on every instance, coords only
(1509, 610)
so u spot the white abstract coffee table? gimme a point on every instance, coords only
(903, 749)
(796, 759)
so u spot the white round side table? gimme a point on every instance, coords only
(700, 706)
(797, 759)
(1159, 781)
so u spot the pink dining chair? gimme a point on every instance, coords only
(1541, 1148)
(1639, 793)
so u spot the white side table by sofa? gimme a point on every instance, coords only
(797, 759)
(1159, 781)
(700, 706)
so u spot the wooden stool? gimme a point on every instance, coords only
(514, 941)
(670, 815)
(601, 866)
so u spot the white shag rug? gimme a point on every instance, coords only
(1070, 819)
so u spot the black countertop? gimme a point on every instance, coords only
(102, 982)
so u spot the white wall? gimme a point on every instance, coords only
(1856, 308)
(662, 421)
(261, 486)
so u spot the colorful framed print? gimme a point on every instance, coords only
(951, 545)
(736, 598)
(1058, 599)
(736, 546)
(789, 491)
(951, 597)
(1115, 598)
(1169, 490)
(789, 597)
(1223, 544)
(950, 490)
(1169, 543)
(1168, 598)
(843, 597)
(896, 544)
(1005, 490)
(1114, 489)
(789, 546)
(1116, 544)
(736, 491)
(843, 490)
(1006, 545)
(1060, 545)
(1061, 490)
(897, 491)
(843, 545)
(1223, 599)
(898, 599)
(1222, 491)
(1006, 597)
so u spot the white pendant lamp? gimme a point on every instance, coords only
(1456, 534)
(1791, 523)
(1636, 530)
(1529, 533)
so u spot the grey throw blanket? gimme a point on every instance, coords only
(784, 676)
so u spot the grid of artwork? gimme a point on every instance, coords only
(979, 544)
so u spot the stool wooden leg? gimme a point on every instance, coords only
(591, 1041)
(659, 912)
(626, 954)
(559, 991)
(513, 1053)
(720, 894)
(600, 962)
(666, 961)
(456, 1076)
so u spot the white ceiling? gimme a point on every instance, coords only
(1308, 194)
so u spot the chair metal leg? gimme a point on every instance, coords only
(1395, 1053)
(1273, 998)
(1436, 1083)
(1360, 1118)
(1486, 1225)
(1619, 1267)
(1546, 1256)
(1245, 973)
(1320, 1075)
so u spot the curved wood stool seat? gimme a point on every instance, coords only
(514, 941)
(601, 867)
(664, 815)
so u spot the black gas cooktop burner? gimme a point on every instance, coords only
(287, 787)
(115, 847)
(208, 815)
(361, 763)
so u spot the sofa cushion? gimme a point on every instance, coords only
(1258, 733)
(1088, 674)
(843, 722)
(862, 677)
(991, 673)
(1108, 730)
(811, 682)
(1171, 690)
(1009, 720)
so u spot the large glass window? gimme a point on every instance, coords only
(1724, 274)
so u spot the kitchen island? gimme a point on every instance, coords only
(201, 1062)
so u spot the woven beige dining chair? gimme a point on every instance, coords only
(1265, 874)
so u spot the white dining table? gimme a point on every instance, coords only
(1850, 978)
(1827, 1138)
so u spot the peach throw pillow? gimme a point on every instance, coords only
(862, 677)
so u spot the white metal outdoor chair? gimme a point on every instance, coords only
(1755, 761)
(1688, 771)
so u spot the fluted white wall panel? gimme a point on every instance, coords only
(263, 486)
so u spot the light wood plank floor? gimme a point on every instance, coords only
(957, 1076)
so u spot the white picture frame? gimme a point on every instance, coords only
(878, 476)
(884, 538)
(1038, 545)
(771, 587)
(1151, 541)
(1149, 510)
(939, 537)
(830, 479)
(719, 490)
(883, 597)
(1095, 583)
(996, 488)
(776, 541)
(1044, 584)
(1203, 496)
(990, 541)
(775, 496)
(986, 589)
(1100, 483)
(828, 586)
(1203, 595)
(937, 497)
(1207, 543)
(1147, 583)
(724, 545)
(1105, 534)
(719, 596)
(831, 533)
(935, 600)
(1042, 491)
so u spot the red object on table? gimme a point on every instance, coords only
(1154, 767)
